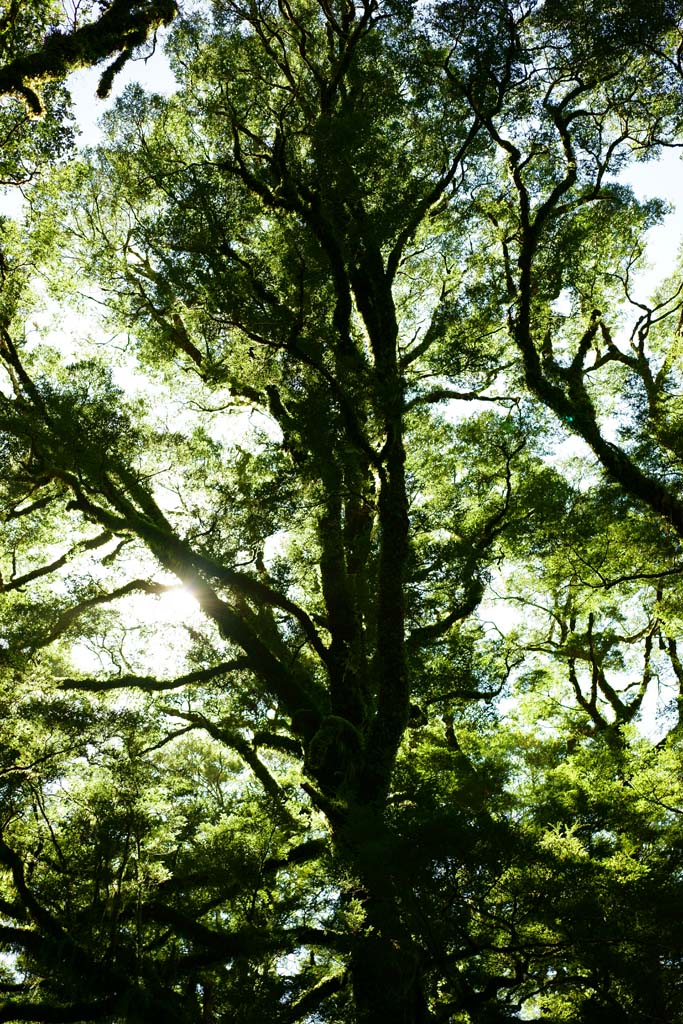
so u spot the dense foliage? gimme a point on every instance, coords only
(341, 519)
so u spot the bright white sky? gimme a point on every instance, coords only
(154, 74)
(663, 179)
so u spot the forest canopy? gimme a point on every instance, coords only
(341, 562)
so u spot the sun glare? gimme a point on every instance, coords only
(149, 626)
(175, 607)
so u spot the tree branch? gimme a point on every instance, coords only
(151, 683)
(123, 26)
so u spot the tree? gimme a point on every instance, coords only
(396, 765)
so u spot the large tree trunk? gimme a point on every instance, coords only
(387, 983)
(387, 963)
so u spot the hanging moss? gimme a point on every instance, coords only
(124, 26)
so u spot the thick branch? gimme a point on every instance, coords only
(45, 570)
(132, 587)
(151, 683)
(123, 26)
(249, 940)
(233, 740)
(309, 1001)
(430, 199)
